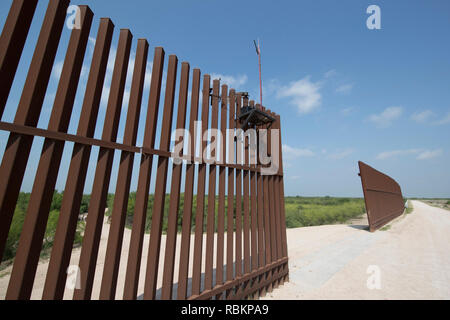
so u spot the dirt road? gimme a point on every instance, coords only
(411, 260)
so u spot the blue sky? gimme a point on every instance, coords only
(344, 92)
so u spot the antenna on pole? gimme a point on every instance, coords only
(249, 116)
(258, 52)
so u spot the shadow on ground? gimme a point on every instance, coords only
(359, 227)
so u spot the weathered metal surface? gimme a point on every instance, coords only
(15, 158)
(12, 41)
(97, 204)
(201, 186)
(172, 222)
(250, 205)
(238, 244)
(73, 192)
(30, 244)
(221, 204)
(140, 208)
(161, 181)
(210, 219)
(116, 230)
(183, 277)
(230, 193)
(382, 196)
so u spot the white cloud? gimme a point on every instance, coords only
(292, 152)
(58, 66)
(286, 164)
(303, 94)
(422, 116)
(421, 154)
(91, 43)
(330, 73)
(444, 120)
(385, 118)
(347, 111)
(345, 88)
(234, 82)
(148, 75)
(425, 155)
(271, 87)
(341, 154)
(108, 76)
(394, 153)
(57, 69)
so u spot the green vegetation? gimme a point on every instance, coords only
(313, 211)
(410, 207)
(300, 211)
(19, 217)
(386, 227)
(151, 198)
(442, 203)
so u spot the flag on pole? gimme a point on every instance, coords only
(256, 46)
(258, 52)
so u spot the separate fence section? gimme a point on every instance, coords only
(382, 195)
(230, 229)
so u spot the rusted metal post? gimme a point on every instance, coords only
(201, 186)
(230, 194)
(273, 234)
(254, 222)
(210, 222)
(260, 213)
(238, 263)
(27, 256)
(140, 207)
(151, 276)
(382, 195)
(277, 211)
(267, 220)
(172, 220)
(119, 210)
(281, 193)
(73, 191)
(256, 257)
(188, 191)
(91, 240)
(12, 41)
(246, 201)
(221, 204)
(18, 147)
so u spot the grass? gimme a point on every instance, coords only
(442, 203)
(300, 212)
(314, 211)
(17, 223)
(386, 227)
(410, 207)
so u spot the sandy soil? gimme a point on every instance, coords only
(333, 262)
(39, 281)
(329, 262)
(440, 203)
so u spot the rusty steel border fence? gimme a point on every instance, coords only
(382, 195)
(256, 258)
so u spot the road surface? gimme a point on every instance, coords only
(411, 260)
